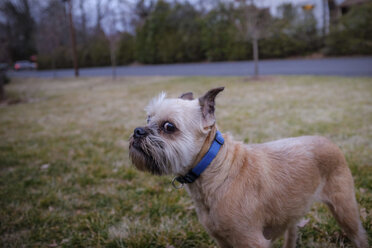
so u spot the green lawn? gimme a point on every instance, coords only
(66, 179)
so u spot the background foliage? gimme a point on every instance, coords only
(159, 31)
(354, 33)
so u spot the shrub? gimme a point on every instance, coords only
(170, 34)
(353, 35)
(126, 49)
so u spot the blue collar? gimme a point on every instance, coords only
(195, 172)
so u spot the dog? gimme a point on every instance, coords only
(245, 195)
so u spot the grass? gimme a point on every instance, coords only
(66, 179)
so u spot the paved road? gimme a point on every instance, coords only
(349, 66)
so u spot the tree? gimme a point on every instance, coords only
(20, 28)
(253, 23)
(4, 57)
(51, 32)
(113, 21)
(4, 44)
(334, 12)
(306, 31)
(113, 37)
(220, 34)
(83, 20)
(126, 48)
(170, 33)
(142, 11)
(353, 35)
(73, 37)
(288, 15)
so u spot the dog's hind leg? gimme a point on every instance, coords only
(290, 236)
(253, 240)
(338, 193)
(222, 243)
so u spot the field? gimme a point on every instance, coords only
(66, 179)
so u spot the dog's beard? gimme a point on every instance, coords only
(147, 154)
(164, 155)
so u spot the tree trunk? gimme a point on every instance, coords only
(325, 24)
(99, 17)
(334, 12)
(73, 40)
(113, 59)
(2, 82)
(54, 66)
(255, 56)
(83, 21)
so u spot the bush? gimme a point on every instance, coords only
(353, 35)
(170, 34)
(62, 59)
(97, 53)
(177, 32)
(220, 35)
(126, 49)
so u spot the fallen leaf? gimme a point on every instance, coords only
(65, 241)
(303, 222)
(45, 166)
(54, 244)
(362, 190)
(363, 214)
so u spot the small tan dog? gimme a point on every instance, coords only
(248, 195)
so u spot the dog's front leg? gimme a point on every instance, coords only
(290, 236)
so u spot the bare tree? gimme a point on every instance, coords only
(73, 37)
(112, 16)
(334, 12)
(113, 36)
(4, 57)
(2, 79)
(142, 11)
(102, 10)
(51, 31)
(253, 24)
(325, 18)
(83, 20)
(20, 26)
(98, 15)
(47, 42)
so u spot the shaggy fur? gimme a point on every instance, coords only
(250, 194)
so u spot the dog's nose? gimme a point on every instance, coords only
(139, 132)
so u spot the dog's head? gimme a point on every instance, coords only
(175, 132)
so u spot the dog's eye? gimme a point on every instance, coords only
(148, 119)
(169, 127)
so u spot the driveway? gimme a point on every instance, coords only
(345, 66)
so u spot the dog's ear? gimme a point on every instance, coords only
(187, 96)
(207, 103)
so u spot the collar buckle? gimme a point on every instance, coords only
(177, 185)
(190, 177)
